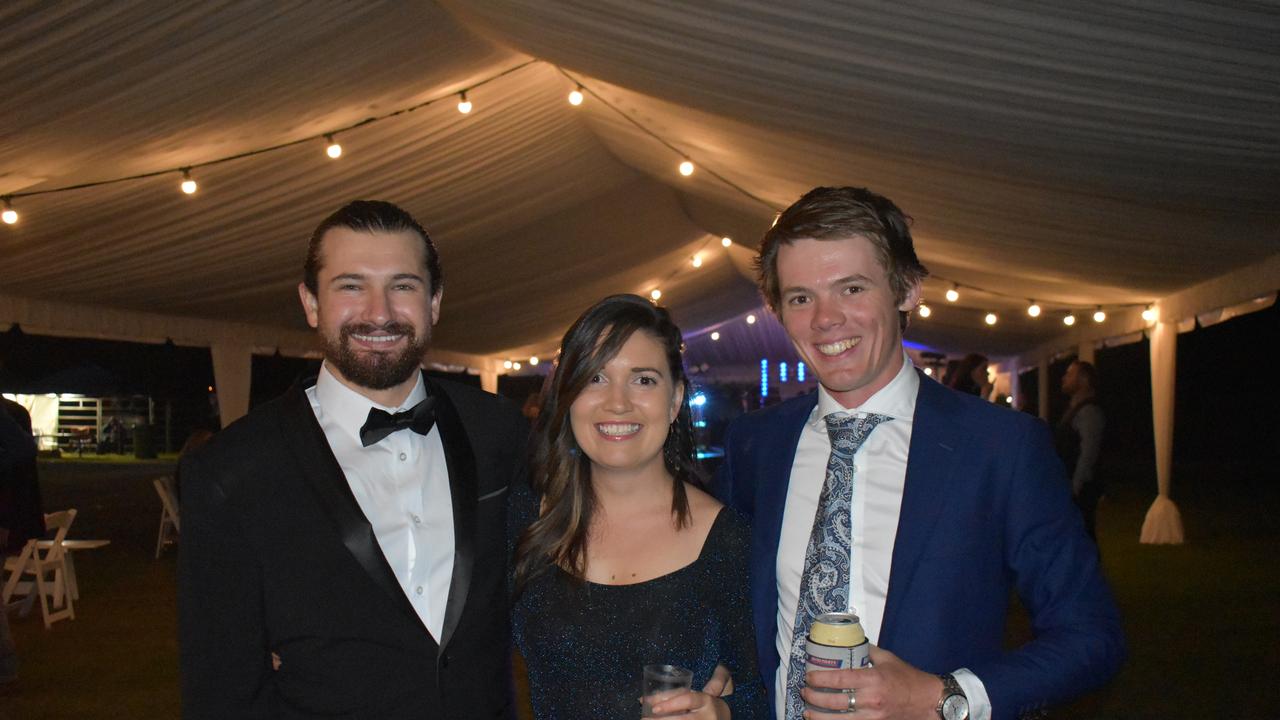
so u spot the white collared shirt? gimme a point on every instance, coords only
(402, 485)
(880, 474)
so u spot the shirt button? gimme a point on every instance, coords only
(418, 589)
(403, 457)
(417, 520)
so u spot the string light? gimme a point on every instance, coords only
(715, 335)
(928, 371)
(515, 365)
(991, 318)
(726, 241)
(334, 150)
(1033, 309)
(799, 372)
(10, 216)
(533, 360)
(575, 96)
(1148, 315)
(464, 105)
(188, 185)
(924, 310)
(697, 260)
(1099, 315)
(655, 294)
(506, 364)
(686, 168)
(751, 319)
(953, 294)
(1069, 320)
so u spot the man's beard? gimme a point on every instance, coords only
(375, 370)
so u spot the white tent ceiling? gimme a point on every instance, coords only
(1075, 153)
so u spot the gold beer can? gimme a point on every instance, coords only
(836, 642)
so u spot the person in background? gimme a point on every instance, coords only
(16, 450)
(344, 546)
(1079, 439)
(970, 376)
(21, 508)
(918, 508)
(624, 560)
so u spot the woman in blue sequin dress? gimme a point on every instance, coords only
(622, 558)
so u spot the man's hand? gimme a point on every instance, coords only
(890, 690)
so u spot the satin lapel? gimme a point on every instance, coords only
(932, 461)
(773, 455)
(322, 473)
(461, 462)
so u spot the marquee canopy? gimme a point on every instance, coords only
(1078, 154)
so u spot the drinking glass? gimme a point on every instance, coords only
(662, 682)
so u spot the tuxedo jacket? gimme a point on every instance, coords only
(277, 557)
(986, 509)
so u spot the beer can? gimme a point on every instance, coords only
(836, 642)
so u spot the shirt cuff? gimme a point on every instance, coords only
(976, 692)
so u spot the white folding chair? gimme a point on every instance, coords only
(170, 526)
(49, 570)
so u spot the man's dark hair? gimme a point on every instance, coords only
(370, 216)
(838, 213)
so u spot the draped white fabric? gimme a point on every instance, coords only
(1163, 524)
(1082, 154)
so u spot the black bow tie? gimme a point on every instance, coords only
(381, 423)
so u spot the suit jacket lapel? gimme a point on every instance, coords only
(461, 462)
(772, 457)
(322, 473)
(935, 452)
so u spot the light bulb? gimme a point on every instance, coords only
(188, 185)
(697, 261)
(991, 319)
(464, 105)
(1069, 320)
(1033, 309)
(751, 319)
(533, 360)
(1148, 315)
(726, 241)
(1099, 315)
(575, 97)
(928, 371)
(506, 364)
(924, 310)
(953, 295)
(655, 294)
(334, 150)
(10, 216)
(686, 168)
(715, 335)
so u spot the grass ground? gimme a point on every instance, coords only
(1201, 618)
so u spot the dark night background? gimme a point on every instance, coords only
(1225, 404)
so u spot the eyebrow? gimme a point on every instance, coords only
(856, 277)
(396, 277)
(647, 369)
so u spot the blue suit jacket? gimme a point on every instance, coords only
(986, 508)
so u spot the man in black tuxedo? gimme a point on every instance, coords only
(343, 546)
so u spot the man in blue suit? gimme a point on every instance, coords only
(914, 506)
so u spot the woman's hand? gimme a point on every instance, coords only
(693, 705)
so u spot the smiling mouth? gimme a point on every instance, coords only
(837, 347)
(618, 430)
(377, 339)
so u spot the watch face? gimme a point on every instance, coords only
(955, 707)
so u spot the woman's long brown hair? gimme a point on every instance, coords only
(561, 472)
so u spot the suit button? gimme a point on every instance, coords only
(444, 661)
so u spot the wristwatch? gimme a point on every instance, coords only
(953, 705)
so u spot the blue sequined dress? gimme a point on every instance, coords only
(585, 644)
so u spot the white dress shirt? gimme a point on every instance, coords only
(402, 485)
(880, 473)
